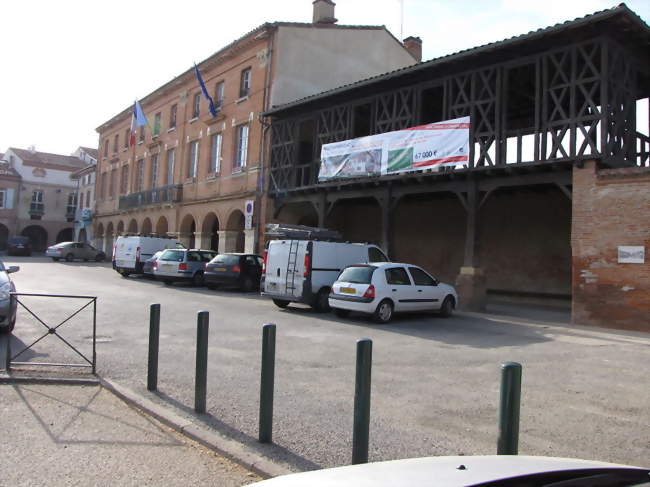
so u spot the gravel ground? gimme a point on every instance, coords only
(83, 435)
(435, 382)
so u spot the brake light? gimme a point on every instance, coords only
(370, 292)
(182, 266)
(307, 261)
(155, 265)
(236, 268)
(137, 254)
(266, 255)
(114, 248)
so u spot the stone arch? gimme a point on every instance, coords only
(146, 226)
(162, 226)
(108, 240)
(37, 236)
(65, 235)
(210, 232)
(83, 236)
(133, 226)
(4, 236)
(120, 228)
(235, 232)
(187, 231)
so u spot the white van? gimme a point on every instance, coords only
(131, 252)
(303, 271)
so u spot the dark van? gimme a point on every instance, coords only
(19, 246)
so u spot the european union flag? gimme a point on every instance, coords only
(213, 110)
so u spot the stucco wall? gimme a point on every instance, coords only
(311, 60)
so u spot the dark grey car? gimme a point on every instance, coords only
(7, 306)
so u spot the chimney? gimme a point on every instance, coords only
(32, 149)
(414, 46)
(324, 12)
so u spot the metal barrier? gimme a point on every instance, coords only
(53, 330)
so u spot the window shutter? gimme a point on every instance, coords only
(9, 198)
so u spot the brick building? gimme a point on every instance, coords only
(10, 183)
(46, 196)
(192, 174)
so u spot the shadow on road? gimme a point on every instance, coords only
(271, 450)
(460, 329)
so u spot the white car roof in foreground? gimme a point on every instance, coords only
(433, 471)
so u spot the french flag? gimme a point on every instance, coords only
(137, 120)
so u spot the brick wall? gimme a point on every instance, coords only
(610, 208)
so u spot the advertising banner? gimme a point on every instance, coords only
(427, 146)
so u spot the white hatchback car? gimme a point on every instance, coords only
(382, 288)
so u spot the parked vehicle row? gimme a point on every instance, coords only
(304, 268)
(347, 277)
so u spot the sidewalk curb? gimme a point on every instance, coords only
(226, 447)
(9, 379)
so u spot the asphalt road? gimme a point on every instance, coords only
(435, 381)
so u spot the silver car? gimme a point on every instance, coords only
(74, 250)
(7, 305)
(182, 265)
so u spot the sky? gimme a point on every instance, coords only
(70, 65)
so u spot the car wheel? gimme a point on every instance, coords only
(69, 258)
(342, 313)
(321, 303)
(99, 257)
(247, 285)
(281, 303)
(197, 279)
(447, 307)
(384, 312)
(55, 259)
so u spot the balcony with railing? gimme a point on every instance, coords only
(165, 194)
(36, 209)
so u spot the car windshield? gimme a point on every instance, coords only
(173, 255)
(64, 244)
(16, 240)
(361, 274)
(227, 259)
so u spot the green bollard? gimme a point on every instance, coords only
(201, 377)
(361, 426)
(154, 335)
(267, 383)
(508, 441)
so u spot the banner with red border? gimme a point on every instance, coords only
(425, 147)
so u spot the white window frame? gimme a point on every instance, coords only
(196, 105)
(139, 176)
(216, 144)
(245, 82)
(241, 147)
(171, 158)
(154, 171)
(193, 165)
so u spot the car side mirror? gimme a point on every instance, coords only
(12, 269)
(436, 282)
